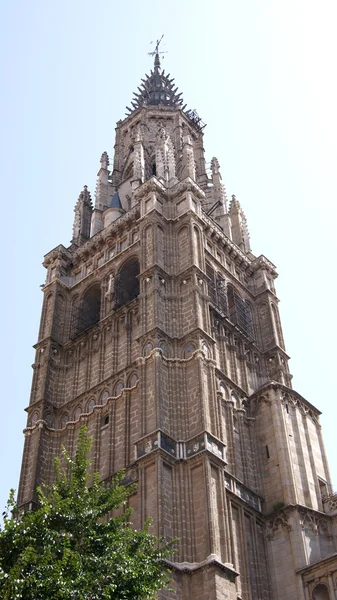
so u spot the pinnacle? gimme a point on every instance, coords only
(215, 165)
(85, 196)
(105, 160)
(234, 203)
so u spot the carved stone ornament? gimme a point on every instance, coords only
(315, 522)
(276, 523)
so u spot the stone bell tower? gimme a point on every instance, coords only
(160, 331)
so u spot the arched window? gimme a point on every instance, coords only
(104, 397)
(91, 405)
(223, 390)
(127, 283)
(118, 389)
(34, 418)
(216, 285)
(87, 313)
(188, 351)
(49, 419)
(147, 348)
(321, 592)
(240, 312)
(64, 420)
(164, 348)
(77, 413)
(133, 380)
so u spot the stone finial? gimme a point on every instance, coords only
(82, 218)
(104, 160)
(240, 233)
(215, 166)
(85, 197)
(234, 204)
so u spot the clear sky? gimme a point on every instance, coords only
(261, 74)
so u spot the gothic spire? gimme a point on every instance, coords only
(240, 233)
(156, 88)
(82, 219)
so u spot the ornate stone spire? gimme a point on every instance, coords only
(82, 219)
(102, 194)
(104, 160)
(240, 233)
(219, 188)
(156, 88)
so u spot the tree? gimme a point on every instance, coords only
(71, 546)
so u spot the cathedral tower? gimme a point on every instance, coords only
(160, 331)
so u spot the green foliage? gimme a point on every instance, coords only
(71, 546)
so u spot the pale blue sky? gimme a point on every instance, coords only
(261, 74)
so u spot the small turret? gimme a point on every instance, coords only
(114, 211)
(240, 233)
(82, 219)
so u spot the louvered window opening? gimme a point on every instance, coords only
(127, 284)
(240, 313)
(87, 314)
(217, 290)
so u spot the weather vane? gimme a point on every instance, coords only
(156, 50)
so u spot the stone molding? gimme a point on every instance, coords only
(41, 423)
(262, 395)
(211, 560)
(308, 518)
(180, 449)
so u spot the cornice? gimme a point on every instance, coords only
(274, 385)
(186, 185)
(150, 185)
(211, 560)
(261, 262)
(323, 561)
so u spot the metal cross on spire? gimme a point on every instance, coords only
(156, 52)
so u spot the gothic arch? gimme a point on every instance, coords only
(240, 311)
(44, 320)
(148, 245)
(64, 419)
(183, 247)
(104, 396)
(77, 413)
(132, 380)
(277, 324)
(86, 312)
(223, 390)
(321, 592)
(189, 349)
(148, 347)
(127, 282)
(119, 387)
(91, 404)
(34, 418)
(197, 246)
(160, 246)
